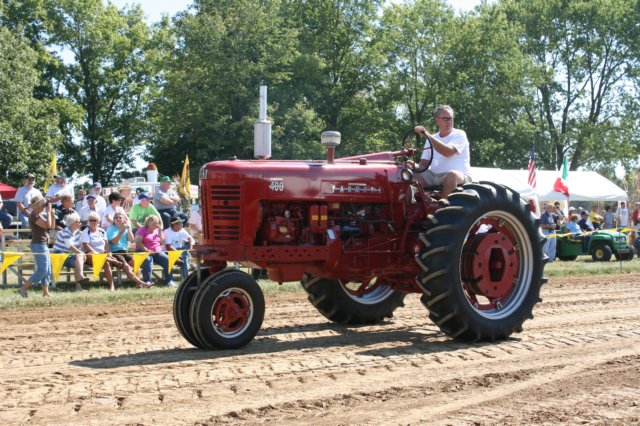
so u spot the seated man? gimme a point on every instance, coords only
(166, 201)
(450, 165)
(583, 223)
(5, 218)
(177, 238)
(574, 228)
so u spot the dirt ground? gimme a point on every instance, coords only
(577, 362)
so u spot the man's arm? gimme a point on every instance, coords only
(443, 148)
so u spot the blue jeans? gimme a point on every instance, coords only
(550, 245)
(5, 219)
(42, 273)
(163, 260)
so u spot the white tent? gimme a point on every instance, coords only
(583, 186)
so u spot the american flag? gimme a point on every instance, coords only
(532, 167)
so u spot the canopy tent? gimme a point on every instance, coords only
(583, 186)
(7, 191)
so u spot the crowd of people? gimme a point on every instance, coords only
(580, 222)
(83, 225)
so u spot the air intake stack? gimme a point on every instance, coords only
(262, 130)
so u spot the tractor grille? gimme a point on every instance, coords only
(223, 214)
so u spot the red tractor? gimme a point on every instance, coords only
(359, 233)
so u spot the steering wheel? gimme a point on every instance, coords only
(408, 141)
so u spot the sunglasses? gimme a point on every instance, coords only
(94, 220)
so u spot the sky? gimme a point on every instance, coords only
(154, 9)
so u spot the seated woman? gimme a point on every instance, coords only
(94, 241)
(150, 239)
(574, 229)
(63, 209)
(68, 241)
(119, 236)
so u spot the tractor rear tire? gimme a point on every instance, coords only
(601, 253)
(482, 263)
(227, 310)
(339, 304)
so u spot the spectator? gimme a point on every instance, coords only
(558, 212)
(41, 220)
(65, 208)
(149, 239)
(195, 224)
(101, 203)
(609, 219)
(594, 218)
(177, 238)
(80, 203)
(61, 186)
(548, 226)
(574, 228)
(90, 208)
(635, 219)
(140, 212)
(119, 235)
(94, 241)
(68, 241)
(127, 199)
(136, 198)
(583, 223)
(24, 196)
(5, 218)
(166, 201)
(112, 208)
(622, 215)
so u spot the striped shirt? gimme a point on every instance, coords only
(65, 239)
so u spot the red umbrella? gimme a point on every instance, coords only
(7, 191)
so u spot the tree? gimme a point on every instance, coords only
(28, 126)
(109, 78)
(224, 51)
(586, 77)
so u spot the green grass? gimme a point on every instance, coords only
(99, 295)
(585, 266)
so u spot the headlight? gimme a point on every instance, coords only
(406, 175)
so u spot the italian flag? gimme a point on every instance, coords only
(559, 185)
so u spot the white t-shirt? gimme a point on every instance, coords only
(84, 213)
(101, 203)
(177, 240)
(460, 161)
(623, 217)
(56, 189)
(97, 240)
(24, 195)
(109, 212)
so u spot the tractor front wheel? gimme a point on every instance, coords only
(482, 264)
(227, 310)
(352, 303)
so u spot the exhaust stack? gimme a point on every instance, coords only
(330, 140)
(262, 130)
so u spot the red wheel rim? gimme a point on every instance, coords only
(494, 269)
(232, 312)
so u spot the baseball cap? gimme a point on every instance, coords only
(143, 195)
(29, 175)
(61, 175)
(176, 219)
(165, 179)
(97, 185)
(124, 185)
(91, 196)
(140, 190)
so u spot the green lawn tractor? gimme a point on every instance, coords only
(602, 245)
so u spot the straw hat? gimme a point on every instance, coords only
(36, 200)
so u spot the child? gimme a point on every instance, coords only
(177, 238)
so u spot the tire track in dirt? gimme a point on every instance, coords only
(101, 366)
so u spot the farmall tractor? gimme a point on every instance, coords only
(359, 233)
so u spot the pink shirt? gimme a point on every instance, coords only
(151, 240)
